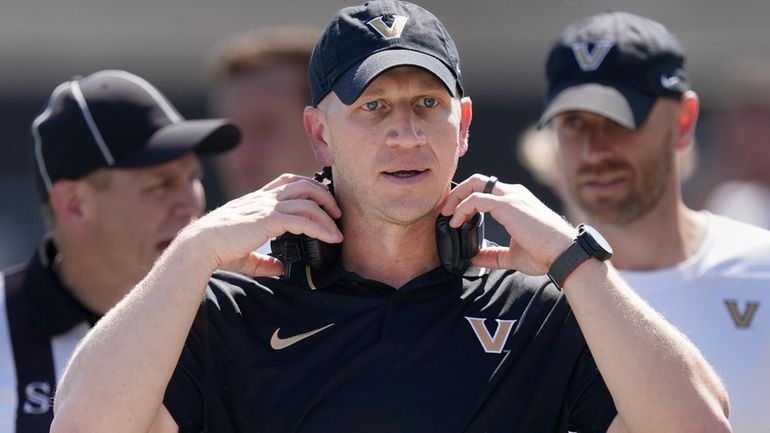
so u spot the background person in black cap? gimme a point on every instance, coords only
(119, 176)
(622, 109)
(386, 339)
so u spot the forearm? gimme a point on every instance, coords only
(658, 379)
(117, 377)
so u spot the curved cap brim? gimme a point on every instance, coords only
(205, 136)
(354, 81)
(627, 107)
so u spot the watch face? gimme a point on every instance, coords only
(602, 248)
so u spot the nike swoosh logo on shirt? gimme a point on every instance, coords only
(278, 343)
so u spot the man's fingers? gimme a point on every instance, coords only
(291, 203)
(471, 205)
(491, 258)
(310, 189)
(478, 183)
(286, 179)
(291, 186)
(302, 225)
(305, 217)
(308, 209)
(257, 265)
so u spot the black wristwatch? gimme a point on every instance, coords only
(589, 243)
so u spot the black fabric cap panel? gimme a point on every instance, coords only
(359, 32)
(202, 136)
(355, 80)
(114, 118)
(633, 55)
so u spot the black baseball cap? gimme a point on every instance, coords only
(614, 64)
(362, 42)
(113, 118)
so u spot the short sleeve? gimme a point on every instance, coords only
(591, 408)
(184, 394)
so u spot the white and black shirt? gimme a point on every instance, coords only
(40, 325)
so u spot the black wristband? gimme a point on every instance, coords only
(567, 262)
(589, 243)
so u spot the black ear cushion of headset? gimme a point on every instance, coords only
(464, 233)
(318, 254)
(449, 244)
(471, 235)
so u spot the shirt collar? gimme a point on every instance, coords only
(55, 310)
(320, 280)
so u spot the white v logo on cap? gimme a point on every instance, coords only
(389, 32)
(590, 60)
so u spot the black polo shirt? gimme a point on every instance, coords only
(40, 325)
(498, 352)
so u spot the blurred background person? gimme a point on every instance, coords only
(501, 68)
(740, 165)
(259, 81)
(622, 108)
(118, 174)
(537, 150)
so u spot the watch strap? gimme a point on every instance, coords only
(567, 261)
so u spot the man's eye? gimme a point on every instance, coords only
(159, 185)
(371, 105)
(573, 122)
(429, 102)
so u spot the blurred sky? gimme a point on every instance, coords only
(502, 45)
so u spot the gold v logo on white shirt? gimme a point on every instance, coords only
(742, 320)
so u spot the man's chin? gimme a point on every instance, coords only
(610, 214)
(408, 216)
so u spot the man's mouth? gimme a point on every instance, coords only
(608, 182)
(404, 173)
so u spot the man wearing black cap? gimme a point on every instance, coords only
(119, 176)
(386, 339)
(621, 105)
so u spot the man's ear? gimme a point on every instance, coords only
(315, 128)
(466, 115)
(687, 118)
(67, 203)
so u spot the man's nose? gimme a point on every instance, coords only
(596, 145)
(406, 129)
(189, 201)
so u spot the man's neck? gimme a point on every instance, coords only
(390, 253)
(660, 239)
(94, 287)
